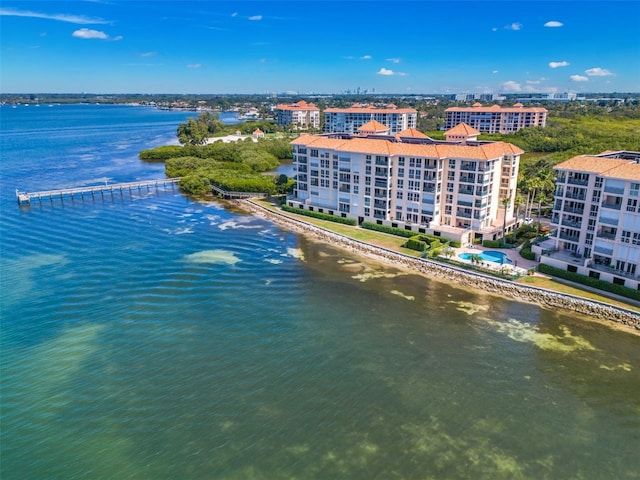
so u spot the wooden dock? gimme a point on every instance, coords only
(25, 198)
(235, 195)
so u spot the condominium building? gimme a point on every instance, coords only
(301, 114)
(457, 189)
(348, 120)
(596, 214)
(496, 119)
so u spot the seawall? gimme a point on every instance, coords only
(461, 277)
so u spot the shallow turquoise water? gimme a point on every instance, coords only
(154, 337)
(488, 256)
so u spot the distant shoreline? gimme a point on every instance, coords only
(615, 317)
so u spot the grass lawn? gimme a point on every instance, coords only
(394, 243)
(379, 239)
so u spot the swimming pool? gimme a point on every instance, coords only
(488, 256)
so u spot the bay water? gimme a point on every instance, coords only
(149, 336)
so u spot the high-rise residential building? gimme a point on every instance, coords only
(348, 120)
(496, 119)
(460, 189)
(596, 216)
(301, 114)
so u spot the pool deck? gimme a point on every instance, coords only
(518, 264)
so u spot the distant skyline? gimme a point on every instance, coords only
(400, 47)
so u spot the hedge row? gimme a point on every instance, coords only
(422, 237)
(591, 282)
(392, 230)
(525, 251)
(321, 216)
(414, 244)
(496, 244)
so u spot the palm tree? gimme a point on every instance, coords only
(475, 259)
(517, 203)
(505, 205)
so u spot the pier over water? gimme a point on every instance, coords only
(25, 198)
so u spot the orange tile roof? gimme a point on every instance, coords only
(488, 151)
(369, 109)
(496, 108)
(411, 132)
(462, 129)
(606, 167)
(301, 105)
(373, 126)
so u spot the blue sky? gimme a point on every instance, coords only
(115, 46)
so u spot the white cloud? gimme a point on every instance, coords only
(578, 78)
(147, 54)
(558, 64)
(494, 71)
(598, 72)
(255, 18)
(393, 60)
(515, 26)
(194, 65)
(533, 82)
(61, 17)
(494, 29)
(366, 57)
(234, 14)
(387, 72)
(511, 86)
(553, 24)
(88, 33)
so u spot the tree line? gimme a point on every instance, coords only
(238, 166)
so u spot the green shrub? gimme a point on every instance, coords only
(525, 251)
(415, 244)
(454, 244)
(591, 282)
(492, 243)
(527, 254)
(160, 154)
(391, 230)
(194, 185)
(435, 244)
(318, 215)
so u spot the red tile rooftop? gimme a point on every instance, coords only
(487, 151)
(497, 108)
(609, 167)
(462, 129)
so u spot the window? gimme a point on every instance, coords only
(635, 188)
(632, 205)
(401, 172)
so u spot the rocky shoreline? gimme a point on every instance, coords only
(463, 278)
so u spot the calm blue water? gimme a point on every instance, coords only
(152, 337)
(488, 256)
